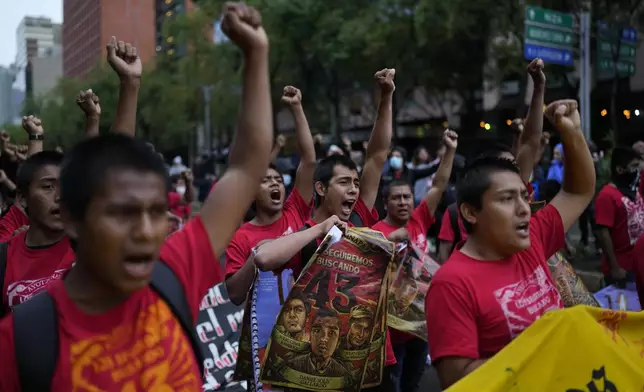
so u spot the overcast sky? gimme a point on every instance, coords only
(12, 13)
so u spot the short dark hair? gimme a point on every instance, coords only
(31, 165)
(620, 157)
(324, 170)
(326, 312)
(395, 183)
(476, 180)
(495, 150)
(300, 297)
(86, 166)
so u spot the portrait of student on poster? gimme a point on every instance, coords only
(343, 289)
(218, 325)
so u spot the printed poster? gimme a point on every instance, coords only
(218, 326)
(406, 299)
(578, 349)
(262, 308)
(612, 297)
(339, 344)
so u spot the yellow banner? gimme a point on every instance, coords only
(579, 349)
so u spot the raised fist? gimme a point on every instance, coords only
(243, 25)
(517, 125)
(292, 96)
(32, 125)
(385, 79)
(89, 103)
(4, 137)
(535, 69)
(450, 139)
(564, 115)
(187, 176)
(124, 59)
(280, 141)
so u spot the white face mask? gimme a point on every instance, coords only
(181, 190)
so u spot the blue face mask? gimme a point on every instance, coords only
(287, 179)
(396, 163)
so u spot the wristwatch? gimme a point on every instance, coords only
(36, 136)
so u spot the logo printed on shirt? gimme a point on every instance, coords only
(149, 354)
(524, 302)
(20, 291)
(634, 217)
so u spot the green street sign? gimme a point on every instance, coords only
(548, 18)
(624, 68)
(542, 35)
(626, 51)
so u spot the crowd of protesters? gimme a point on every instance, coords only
(103, 262)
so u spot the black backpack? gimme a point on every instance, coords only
(35, 325)
(310, 248)
(453, 220)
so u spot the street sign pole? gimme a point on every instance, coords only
(584, 74)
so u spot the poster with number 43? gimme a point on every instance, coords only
(341, 346)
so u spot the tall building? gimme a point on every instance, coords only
(35, 36)
(164, 11)
(6, 99)
(88, 26)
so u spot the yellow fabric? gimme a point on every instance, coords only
(568, 350)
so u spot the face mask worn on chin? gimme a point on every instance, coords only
(629, 179)
(287, 179)
(181, 190)
(396, 163)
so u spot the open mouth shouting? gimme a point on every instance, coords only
(139, 266)
(523, 229)
(276, 196)
(347, 207)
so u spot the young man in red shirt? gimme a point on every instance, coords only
(498, 283)
(342, 196)
(619, 215)
(42, 252)
(114, 332)
(274, 217)
(411, 352)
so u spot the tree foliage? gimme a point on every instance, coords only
(330, 50)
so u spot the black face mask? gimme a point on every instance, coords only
(628, 182)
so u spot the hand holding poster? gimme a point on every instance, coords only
(406, 299)
(339, 342)
(579, 349)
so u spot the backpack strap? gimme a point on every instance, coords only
(4, 246)
(309, 249)
(167, 285)
(35, 334)
(355, 219)
(453, 219)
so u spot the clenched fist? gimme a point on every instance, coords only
(292, 96)
(89, 103)
(32, 125)
(450, 139)
(535, 69)
(385, 79)
(243, 25)
(564, 115)
(124, 59)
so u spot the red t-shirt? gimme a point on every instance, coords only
(183, 211)
(447, 233)
(625, 220)
(638, 268)
(12, 221)
(419, 222)
(136, 346)
(29, 270)
(294, 213)
(475, 308)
